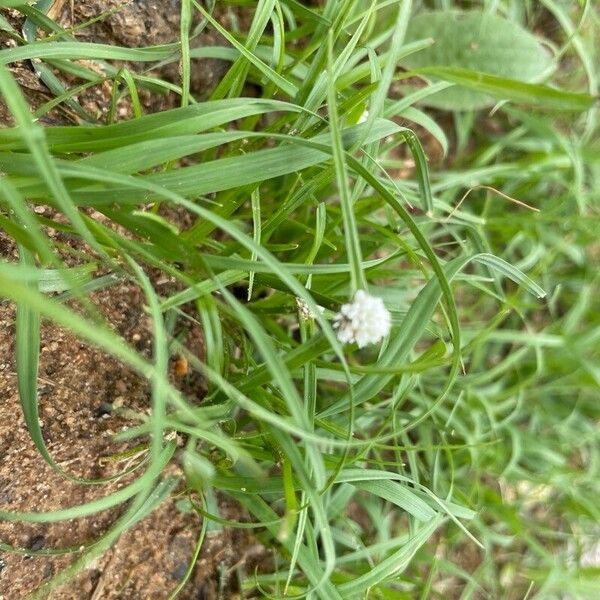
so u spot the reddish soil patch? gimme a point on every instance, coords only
(83, 396)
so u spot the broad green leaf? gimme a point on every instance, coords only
(479, 42)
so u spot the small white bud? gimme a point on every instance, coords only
(304, 311)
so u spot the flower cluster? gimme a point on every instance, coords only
(365, 320)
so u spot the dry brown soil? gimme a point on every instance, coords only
(85, 397)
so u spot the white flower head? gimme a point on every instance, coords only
(363, 118)
(365, 320)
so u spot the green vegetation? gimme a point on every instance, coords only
(467, 441)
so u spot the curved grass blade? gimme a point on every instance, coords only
(394, 564)
(86, 50)
(515, 91)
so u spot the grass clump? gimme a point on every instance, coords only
(470, 431)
